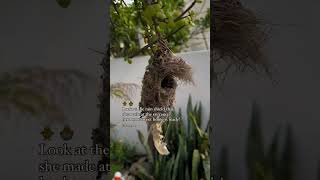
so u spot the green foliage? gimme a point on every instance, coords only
(189, 155)
(255, 149)
(287, 161)
(165, 19)
(195, 164)
(124, 38)
(121, 151)
(272, 164)
(202, 23)
(115, 167)
(144, 142)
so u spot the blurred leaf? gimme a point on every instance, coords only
(255, 145)
(128, 60)
(178, 160)
(141, 137)
(123, 91)
(206, 166)
(189, 110)
(169, 167)
(187, 173)
(64, 3)
(197, 128)
(272, 159)
(146, 146)
(287, 156)
(195, 164)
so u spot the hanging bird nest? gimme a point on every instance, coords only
(159, 87)
(238, 37)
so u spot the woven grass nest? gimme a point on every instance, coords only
(159, 88)
(239, 37)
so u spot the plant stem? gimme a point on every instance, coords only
(185, 11)
(154, 42)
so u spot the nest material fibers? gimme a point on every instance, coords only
(159, 87)
(238, 35)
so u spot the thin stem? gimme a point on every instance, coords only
(115, 7)
(97, 51)
(185, 11)
(154, 42)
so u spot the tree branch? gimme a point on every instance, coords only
(154, 42)
(115, 7)
(185, 11)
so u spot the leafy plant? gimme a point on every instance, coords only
(121, 151)
(149, 21)
(189, 148)
(287, 161)
(272, 164)
(121, 154)
(255, 145)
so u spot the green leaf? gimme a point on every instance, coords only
(287, 155)
(199, 114)
(194, 122)
(195, 164)
(64, 3)
(169, 167)
(169, 130)
(189, 110)
(272, 159)
(187, 174)
(178, 161)
(141, 137)
(146, 146)
(157, 168)
(117, 93)
(206, 166)
(128, 60)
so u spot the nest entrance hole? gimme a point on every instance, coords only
(168, 82)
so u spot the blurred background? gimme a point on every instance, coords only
(281, 119)
(49, 78)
